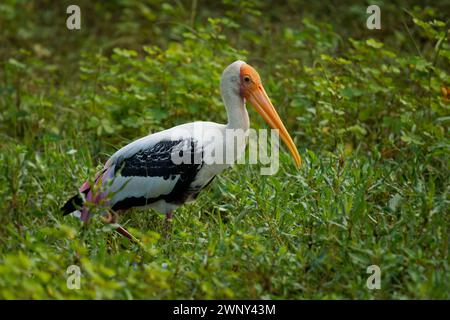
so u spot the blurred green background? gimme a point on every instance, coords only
(368, 109)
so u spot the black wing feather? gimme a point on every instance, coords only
(156, 161)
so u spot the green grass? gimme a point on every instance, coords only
(305, 234)
(365, 109)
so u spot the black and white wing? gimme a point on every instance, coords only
(158, 173)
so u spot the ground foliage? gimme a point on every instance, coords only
(367, 108)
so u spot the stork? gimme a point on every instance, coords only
(144, 172)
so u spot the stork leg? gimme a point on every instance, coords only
(111, 217)
(168, 224)
(124, 232)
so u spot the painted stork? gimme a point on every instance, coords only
(144, 173)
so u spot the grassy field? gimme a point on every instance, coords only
(368, 109)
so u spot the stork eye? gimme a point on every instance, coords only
(247, 79)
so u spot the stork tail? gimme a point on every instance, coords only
(76, 202)
(73, 204)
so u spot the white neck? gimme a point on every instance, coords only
(236, 111)
(234, 103)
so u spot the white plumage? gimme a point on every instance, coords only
(148, 172)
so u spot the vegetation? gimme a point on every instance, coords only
(369, 110)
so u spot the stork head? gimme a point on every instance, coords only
(245, 81)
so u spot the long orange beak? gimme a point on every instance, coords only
(259, 99)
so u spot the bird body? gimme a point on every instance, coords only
(146, 175)
(169, 168)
